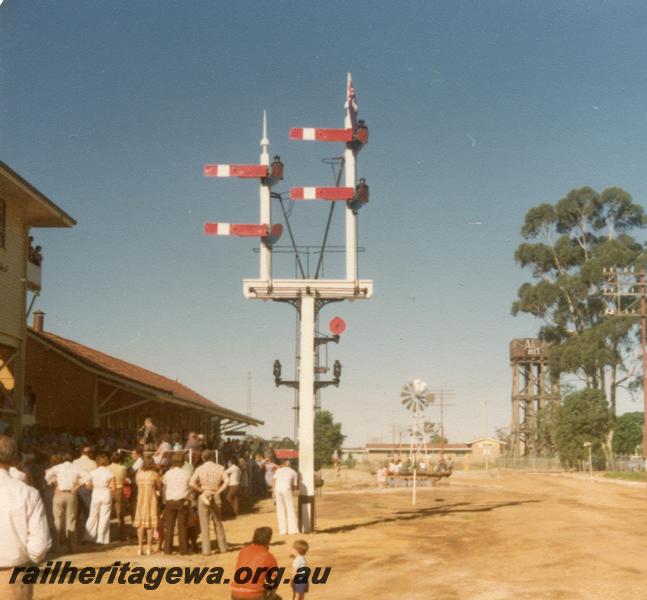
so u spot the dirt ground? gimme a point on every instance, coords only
(515, 535)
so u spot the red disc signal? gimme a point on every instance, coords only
(337, 325)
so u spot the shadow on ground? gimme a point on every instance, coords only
(410, 515)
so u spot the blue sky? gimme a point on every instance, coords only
(477, 112)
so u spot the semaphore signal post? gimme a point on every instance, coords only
(307, 295)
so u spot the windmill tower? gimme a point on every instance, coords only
(415, 396)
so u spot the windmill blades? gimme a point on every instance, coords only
(407, 402)
(421, 391)
(421, 394)
(408, 389)
(418, 404)
(407, 396)
(414, 395)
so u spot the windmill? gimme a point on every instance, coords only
(415, 396)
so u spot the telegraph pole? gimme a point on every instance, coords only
(643, 343)
(442, 426)
(249, 393)
(626, 290)
(307, 295)
(443, 395)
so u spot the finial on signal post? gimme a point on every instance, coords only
(265, 143)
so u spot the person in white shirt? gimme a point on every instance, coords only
(381, 473)
(86, 463)
(102, 483)
(16, 473)
(24, 534)
(234, 473)
(284, 483)
(298, 555)
(270, 467)
(138, 461)
(67, 478)
(177, 503)
(162, 455)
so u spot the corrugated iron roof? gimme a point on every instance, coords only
(121, 368)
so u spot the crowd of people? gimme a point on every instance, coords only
(389, 473)
(152, 482)
(95, 484)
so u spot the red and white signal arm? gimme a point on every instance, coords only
(337, 325)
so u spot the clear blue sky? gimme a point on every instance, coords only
(477, 111)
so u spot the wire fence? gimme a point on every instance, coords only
(530, 463)
(541, 463)
(628, 464)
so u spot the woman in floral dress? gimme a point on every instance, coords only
(147, 512)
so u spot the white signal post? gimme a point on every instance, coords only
(307, 414)
(350, 176)
(266, 207)
(307, 295)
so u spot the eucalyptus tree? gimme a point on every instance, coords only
(567, 245)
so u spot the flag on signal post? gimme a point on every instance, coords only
(351, 102)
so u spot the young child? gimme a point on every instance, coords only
(381, 473)
(299, 549)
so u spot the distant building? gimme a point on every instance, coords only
(485, 447)
(357, 453)
(381, 452)
(473, 452)
(73, 386)
(22, 208)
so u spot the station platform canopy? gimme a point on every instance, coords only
(77, 385)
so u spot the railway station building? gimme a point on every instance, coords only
(71, 385)
(22, 208)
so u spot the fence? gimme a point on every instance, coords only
(624, 463)
(530, 463)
